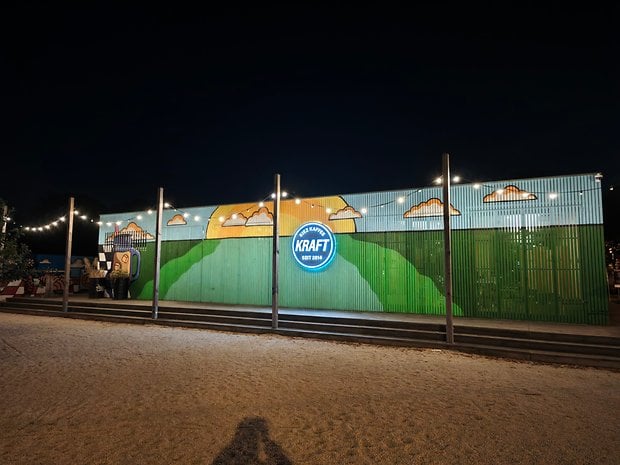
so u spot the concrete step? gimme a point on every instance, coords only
(522, 345)
(539, 344)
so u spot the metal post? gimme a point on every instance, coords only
(447, 240)
(160, 211)
(276, 254)
(65, 294)
(5, 213)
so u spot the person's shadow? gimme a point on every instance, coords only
(252, 446)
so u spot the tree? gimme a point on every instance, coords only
(15, 257)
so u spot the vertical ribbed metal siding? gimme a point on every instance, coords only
(524, 269)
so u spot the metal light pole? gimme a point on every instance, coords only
(447, 240)
(65, 294)
(5, 212)
(276, 254)
(160, 210)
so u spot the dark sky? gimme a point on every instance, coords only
(109, 103)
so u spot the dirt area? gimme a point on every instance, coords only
(87, 392)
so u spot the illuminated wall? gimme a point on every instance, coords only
(527, 249)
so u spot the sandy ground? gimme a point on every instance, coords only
(86, 392)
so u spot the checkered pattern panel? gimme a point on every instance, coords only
(105, 258)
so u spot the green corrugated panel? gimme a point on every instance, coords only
(404, 269)
(548, 274)
(176, 281)
(341, 286)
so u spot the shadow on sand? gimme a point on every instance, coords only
(252, 446)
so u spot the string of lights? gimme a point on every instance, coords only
(298, 200)
(54, 224)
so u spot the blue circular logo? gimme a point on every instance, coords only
(314, 246)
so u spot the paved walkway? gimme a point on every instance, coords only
(613, 329)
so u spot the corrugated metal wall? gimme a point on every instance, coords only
(537, 259)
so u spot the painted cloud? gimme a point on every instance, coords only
(345, 213)
(176, 220)
(238, 220)
(261, 217)
(509, 194)
(432, 207)
(133, 228)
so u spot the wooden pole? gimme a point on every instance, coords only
(447, 235)
(65, 294)
(160, 212)
(276, 254)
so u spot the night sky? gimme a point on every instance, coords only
(109, 103)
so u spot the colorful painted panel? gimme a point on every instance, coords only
(527, 249)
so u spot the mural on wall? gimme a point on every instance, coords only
(532, 259)
(176, 220)
(432, 207)
(122, 262)
(345, 213)
(509, 193)
(256, 220)
(120, 250)
(135, 231)
(334, 211)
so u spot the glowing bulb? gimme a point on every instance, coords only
(438, 180)
(84, 217)
(75, 212)
(109, 223)
(234, 216)
(284, 194)
(221, 218)
(328, 210)
(40, 228)
(553, 196)
(55, 223)
(62, 218)
(118, 223)
(363, 210)
(139, 217)
(456, 179)
(476, 186)
(149, 212)
(27, 228)
(401, 199)
(196, 218)
(273, 195)
(166, 205)
(261, 204)
(99, 223)
(499, 191)
(185, 215)
(297, 201)
(47, 226)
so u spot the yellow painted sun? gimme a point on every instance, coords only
(254, 220)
